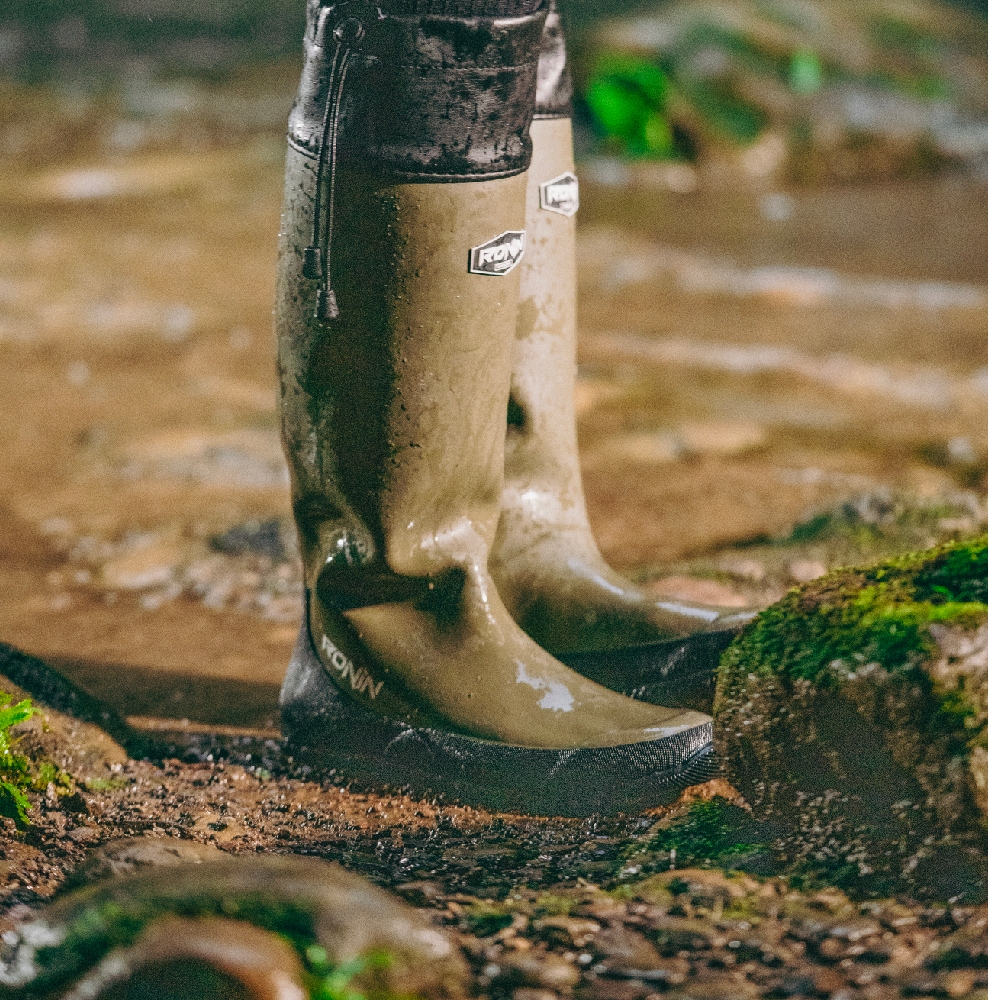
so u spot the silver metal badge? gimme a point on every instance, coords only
(500, 255)
(561, 194)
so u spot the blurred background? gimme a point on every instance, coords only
(783, 316)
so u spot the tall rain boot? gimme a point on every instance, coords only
(402, 229)
(546, 564)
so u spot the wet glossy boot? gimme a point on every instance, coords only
(397, 300)
(545, 561)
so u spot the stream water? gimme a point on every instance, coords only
(748, 356)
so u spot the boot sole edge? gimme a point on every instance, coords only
(331, 734)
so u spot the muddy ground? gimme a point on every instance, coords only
(771, 383)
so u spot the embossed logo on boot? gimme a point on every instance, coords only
(500, 255)
(561, 194)
(357, 677)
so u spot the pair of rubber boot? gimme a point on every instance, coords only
(426, 352)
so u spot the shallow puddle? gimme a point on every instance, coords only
(746, 359)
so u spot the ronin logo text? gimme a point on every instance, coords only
(357, 677)
(500, 255)
(561, 194)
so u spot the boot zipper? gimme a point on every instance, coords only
(348, 32)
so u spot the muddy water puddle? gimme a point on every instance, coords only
(747, 358)
(771, 383)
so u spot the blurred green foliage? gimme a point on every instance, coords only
(805, 72)
(629, 99)
(19, 774)
(686, 78)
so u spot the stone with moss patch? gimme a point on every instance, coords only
(852, 716)
(351, 938)
(24, 773)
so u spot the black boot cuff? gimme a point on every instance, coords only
(423, 98)
(493, 9)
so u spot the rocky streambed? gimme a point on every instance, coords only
(793, 875)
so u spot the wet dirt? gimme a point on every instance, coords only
(552, 907)
(745, 364)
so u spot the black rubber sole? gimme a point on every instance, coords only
(331, 734)
(679, 673)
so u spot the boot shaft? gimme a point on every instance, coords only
(403, 219)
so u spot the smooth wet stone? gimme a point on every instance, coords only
(202, 959)
(852, 716)
(130, 854)
(331, 917)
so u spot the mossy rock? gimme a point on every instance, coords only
(328, 932)
(852, 717)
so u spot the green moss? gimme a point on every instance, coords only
(711, 832)
(805, 72)
(104, 784)
(853, 617)
(328, 980)
(958, 574)
(19, 774)
(549, 905)
(487, 919)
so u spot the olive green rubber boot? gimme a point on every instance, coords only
(394, 420)
(547, 566)
(395, 341)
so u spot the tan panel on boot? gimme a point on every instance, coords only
(546, 564)
(394, 419)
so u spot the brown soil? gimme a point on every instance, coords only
(522, 894)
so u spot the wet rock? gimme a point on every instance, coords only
(567, 932)
(852, 716)
(716, 986)
(965, 949)
(677, 934)
(150, 563)
(331, 917)
(625, 952)
(703, 887)
(421, 893)
(272, 539)
(525, 993)
(615, 989)
(201, 957)
(536, 970)
(959, 983)
(960, 670)
(122, 857)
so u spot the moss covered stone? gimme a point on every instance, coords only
(852, 716)
(351, 939)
